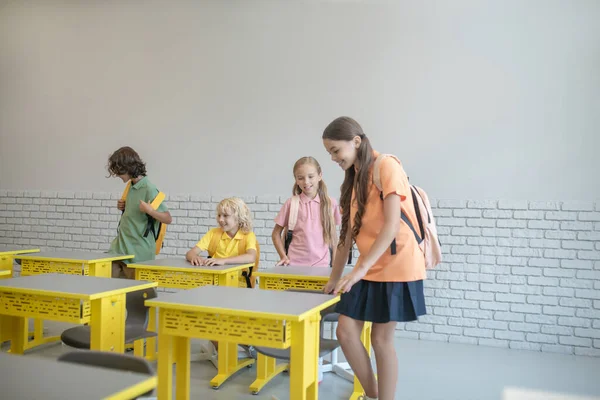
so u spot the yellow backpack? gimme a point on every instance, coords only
(159, 234)
(247, 280)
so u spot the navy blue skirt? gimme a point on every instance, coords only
(382, 302)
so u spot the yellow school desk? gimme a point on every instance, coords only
(76, 299)
(67, 381)
(64, 262)
(275, 319)
(303, 278)
(70, 262)
(7, 253)
(178, 273)
(6, 266)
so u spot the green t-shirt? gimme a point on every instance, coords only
(130, 239)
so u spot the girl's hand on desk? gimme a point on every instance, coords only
(198, 260)
(346, 282)
(283, 261)
(214, 261)
(328, 289)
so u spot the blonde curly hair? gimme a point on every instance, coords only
(236, 206)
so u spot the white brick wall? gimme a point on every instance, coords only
(517, 274)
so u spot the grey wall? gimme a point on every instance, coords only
(481, 99)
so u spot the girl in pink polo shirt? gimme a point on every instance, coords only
(314, 233)
(386, 285)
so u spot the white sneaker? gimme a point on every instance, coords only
(320, 370)
(365, 397)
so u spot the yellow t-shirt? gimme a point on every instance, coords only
(227, 246)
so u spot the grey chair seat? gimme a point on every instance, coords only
(79, 337)
(326, 346)
(110, 360)
(331, 317)
(135, 324)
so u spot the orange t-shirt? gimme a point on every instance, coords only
(408, 264)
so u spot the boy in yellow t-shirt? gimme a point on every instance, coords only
(235, 225)
(223, 243)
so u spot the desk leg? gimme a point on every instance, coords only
(365, 338)
(38, 334)
(228, 363)
(15, 330)
(262, 283)
(229, 279)
(304, 359)
(6, 263)
(108, 324)
(266, 369)
(165, 367)
(151, 342)
(101, 269)
(5, 328)
(228, 352)
(182, 371)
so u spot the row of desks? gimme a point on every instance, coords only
(217, 311)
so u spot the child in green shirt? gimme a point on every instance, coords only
(126, 164)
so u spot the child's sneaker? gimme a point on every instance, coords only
(320, 369)
(250, 351)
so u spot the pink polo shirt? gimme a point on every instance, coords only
(307, 247)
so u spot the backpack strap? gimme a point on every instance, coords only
(123, 198)
(126, 190)
(403, 216)
(160, 197)
(415, 192)
(214, 242)
(150, 225)
(241, 250)
(292, 220)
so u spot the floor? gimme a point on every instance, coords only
(427, 371)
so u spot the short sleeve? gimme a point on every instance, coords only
(251, 243)
(205, 241)
(284, 214)
(393, 178)
(337, 218)
(162, 207)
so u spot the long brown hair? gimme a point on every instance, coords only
(327, 222)
(345, 128)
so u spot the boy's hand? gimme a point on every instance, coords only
(214, 261)
(145, 207)
(198, 260)
(121, 205)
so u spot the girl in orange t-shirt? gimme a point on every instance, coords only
(386, 285)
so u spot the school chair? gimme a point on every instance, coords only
(136, 324)
(110, 360)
